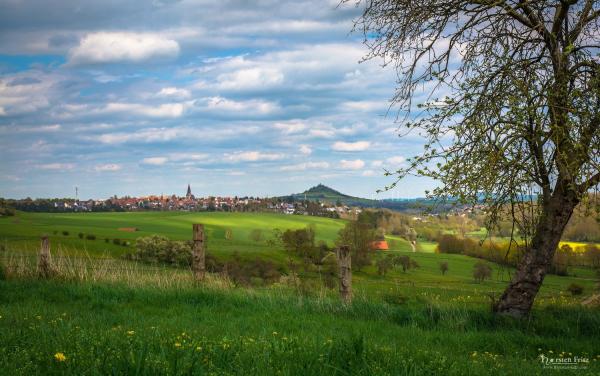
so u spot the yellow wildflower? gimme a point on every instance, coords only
(130, 332)
(60, 357)
(177, 344)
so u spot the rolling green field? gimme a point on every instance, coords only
(107, 315)
(23, 232)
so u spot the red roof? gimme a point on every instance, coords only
(380, 245)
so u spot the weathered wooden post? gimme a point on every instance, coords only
(44, 266)
(198, 255)
(345, 263)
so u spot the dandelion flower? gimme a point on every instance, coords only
(177, 344)
(60, 357)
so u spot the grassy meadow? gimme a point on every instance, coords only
(103, 314)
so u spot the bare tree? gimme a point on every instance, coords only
(512, 115)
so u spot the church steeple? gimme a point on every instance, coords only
(189, 192)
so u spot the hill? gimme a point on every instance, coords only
(329, 195)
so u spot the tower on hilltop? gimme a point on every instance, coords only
(189, 192)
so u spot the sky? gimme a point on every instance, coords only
(234, 97)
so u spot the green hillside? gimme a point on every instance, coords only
(23, 231)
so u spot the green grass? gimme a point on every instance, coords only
(112, 316)
(23, 232)
(113, 329)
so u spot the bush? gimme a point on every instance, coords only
(8, 212)
(65, 233)
(160, 249)
(575, 289)
(117, 241)
(80, 235)
(482, 271)
(384, 264)
(406, 263)
(444, 267)
(246, 273)
(90, 237)
(255, 235)
(106, 240)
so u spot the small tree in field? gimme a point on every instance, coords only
(406, 263)
(359, 236)
(511, 115)
(482, 271)
(444, 267)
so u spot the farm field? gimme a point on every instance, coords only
(20, 235)
(105, 314)
(23, 232)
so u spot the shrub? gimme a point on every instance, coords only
(384, 264)
(248, 272)
(255, 235)
(65, 233)
(106, 240)
(575, 289)
(80, 235)
(90, 237)
(160, 249)
(406, 263)
(482, 271)
(444, 267)
(117, 241)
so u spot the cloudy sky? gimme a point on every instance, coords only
(234, 97)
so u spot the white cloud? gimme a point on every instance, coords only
(396, 160)
(256, 106)
(305, 149)
(251, 78)
(107, 167)
(252, 156)
(112, 47)
(305, 166)
(376, 163)
(155, 161)
(290, 127)
(56, 166)
(145, 135)
(369, 173)
(174, 92)
(351, 146)
(356, 164)
(167, 110)
(321, 133)
(365, 106)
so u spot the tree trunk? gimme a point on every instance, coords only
(518, 297)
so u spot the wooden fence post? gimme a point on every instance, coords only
(345, 263)
(44, 266)
(198, 255)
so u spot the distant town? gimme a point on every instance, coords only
(189, 202)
